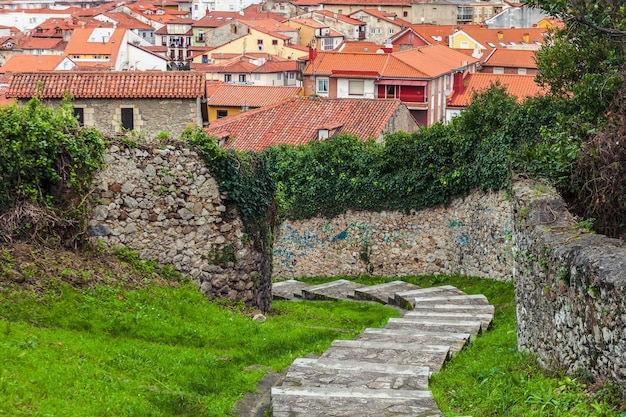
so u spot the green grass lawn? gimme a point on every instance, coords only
(154, 351)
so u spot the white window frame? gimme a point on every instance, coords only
(321, 86)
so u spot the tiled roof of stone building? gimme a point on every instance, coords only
(297, 121)
(108, 84)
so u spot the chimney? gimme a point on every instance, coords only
(458, 82)
(526, 37)
(500, 35)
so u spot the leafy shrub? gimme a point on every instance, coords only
(46, 167)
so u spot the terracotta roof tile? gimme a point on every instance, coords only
(386, 16)
(32, 62)
(516, 58)
(425, 62)
(520, 86)
(43, 43)
(341, 17)
(297, 121)
(434, 60)
(251, 95)
(108, 84)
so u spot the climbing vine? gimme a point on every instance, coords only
(247, 182)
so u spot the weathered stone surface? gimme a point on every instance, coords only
(325, 401)
(474, 328)
(288, 289)
(356, 374)
(432, 356)
(151, 207)
(383, 293)
(470, 236)
(456, 340)
(340, 289)
(570, 288)
(406, 299)
(485, 318)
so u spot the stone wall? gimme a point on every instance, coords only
(163, 204)
(570, 288)
(470, 236)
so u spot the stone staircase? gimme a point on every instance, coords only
(382, 372)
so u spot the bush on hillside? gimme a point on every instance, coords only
(45, 170)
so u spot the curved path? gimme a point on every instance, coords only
(382, 372)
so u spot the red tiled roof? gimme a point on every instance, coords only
(520, 86)
(251, 95)
(277, 66)
(341, 17)
(31, 62)
(386, 16)
(425, 62)
(357, 3)
(109, 84)
(516, 58)
(434, 60)
(126, 21)
(297, 121)
(348, 46)
(91, 41)
(43, 43)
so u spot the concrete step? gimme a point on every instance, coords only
(474, 299)
(485, 318)
(340, 289)
(288, 290)
(474, 328)
(351, 402)
(405, 299)
(477, 308)
(432, 356)
(456, 341)
(354, 374)
(383, 293)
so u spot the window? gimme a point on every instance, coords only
(405, 14)
(222, 113)
(257, 77)
(392, 31)
(274, 41)
(228, 78)
(292, 75)
(79, 114)
(391, 91)
(355, 87)
(464, 45)
(242, 78)
(327, 44)
(322, 85)
(498, 70)
(259, 42)
(521, 71)
(128, 118)
(279, 76)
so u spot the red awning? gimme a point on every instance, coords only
(418, 83)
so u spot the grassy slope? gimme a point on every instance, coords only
(98, 336)
(136, 348)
